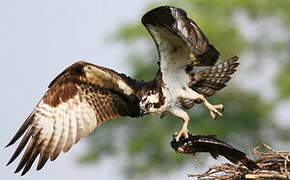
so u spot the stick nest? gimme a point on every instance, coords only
(273, 165)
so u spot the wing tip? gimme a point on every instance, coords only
(42, 161)
(9, 162)
(24, 172)
(18, 169)
(52, 158)
(22, 129)
(9, 144)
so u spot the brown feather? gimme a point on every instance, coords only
(42, 160)
(27, 153)
(21, 146)
(22, 129)
(213, 79)
(29, 163)
(181, 35)
(78, 100)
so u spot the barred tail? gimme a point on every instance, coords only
(210, 80)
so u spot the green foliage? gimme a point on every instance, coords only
(145, 141)
(131, 32)
(283, 81)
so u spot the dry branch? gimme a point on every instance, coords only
(273, 165)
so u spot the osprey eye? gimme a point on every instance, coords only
(149, 105)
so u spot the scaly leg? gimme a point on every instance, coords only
(213, 109)
(185, 118)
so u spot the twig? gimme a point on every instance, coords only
(276, 152)
(273, 165)
(271, 176)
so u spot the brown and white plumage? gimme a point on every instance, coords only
(84, 95)
(81, 98)
(182, 46)
(177, 35)
(211, 80)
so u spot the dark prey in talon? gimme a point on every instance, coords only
(214, 146)
(85, 95)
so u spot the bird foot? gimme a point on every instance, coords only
(214, 110)
(183, 132)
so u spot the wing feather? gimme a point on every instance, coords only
(178, 38)
(213, 79)
(31, 160)
(72, 133)
(41, 162)
(25, 157)
(55, 138)
(80, 128)
(21, 145)
(63, 137)
(22, 129)
(81, 98)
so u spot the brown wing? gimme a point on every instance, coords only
(177, 35)
(203, 53)
(207, 82)
(213, 79)
(81, 98)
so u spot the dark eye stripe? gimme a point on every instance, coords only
(149, 105)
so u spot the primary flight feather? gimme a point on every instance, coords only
(84, 95)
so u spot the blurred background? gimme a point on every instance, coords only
(38, 39)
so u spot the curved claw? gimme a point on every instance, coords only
(212, 114)
(214, 110)
(182, 132)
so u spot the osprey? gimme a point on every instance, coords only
(84, 95)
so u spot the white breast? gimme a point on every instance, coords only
(176, 81)
(174, 56)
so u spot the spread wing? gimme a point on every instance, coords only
(181, 45)
(178, 38)
(78, 100)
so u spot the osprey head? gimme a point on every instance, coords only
(149, 103)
